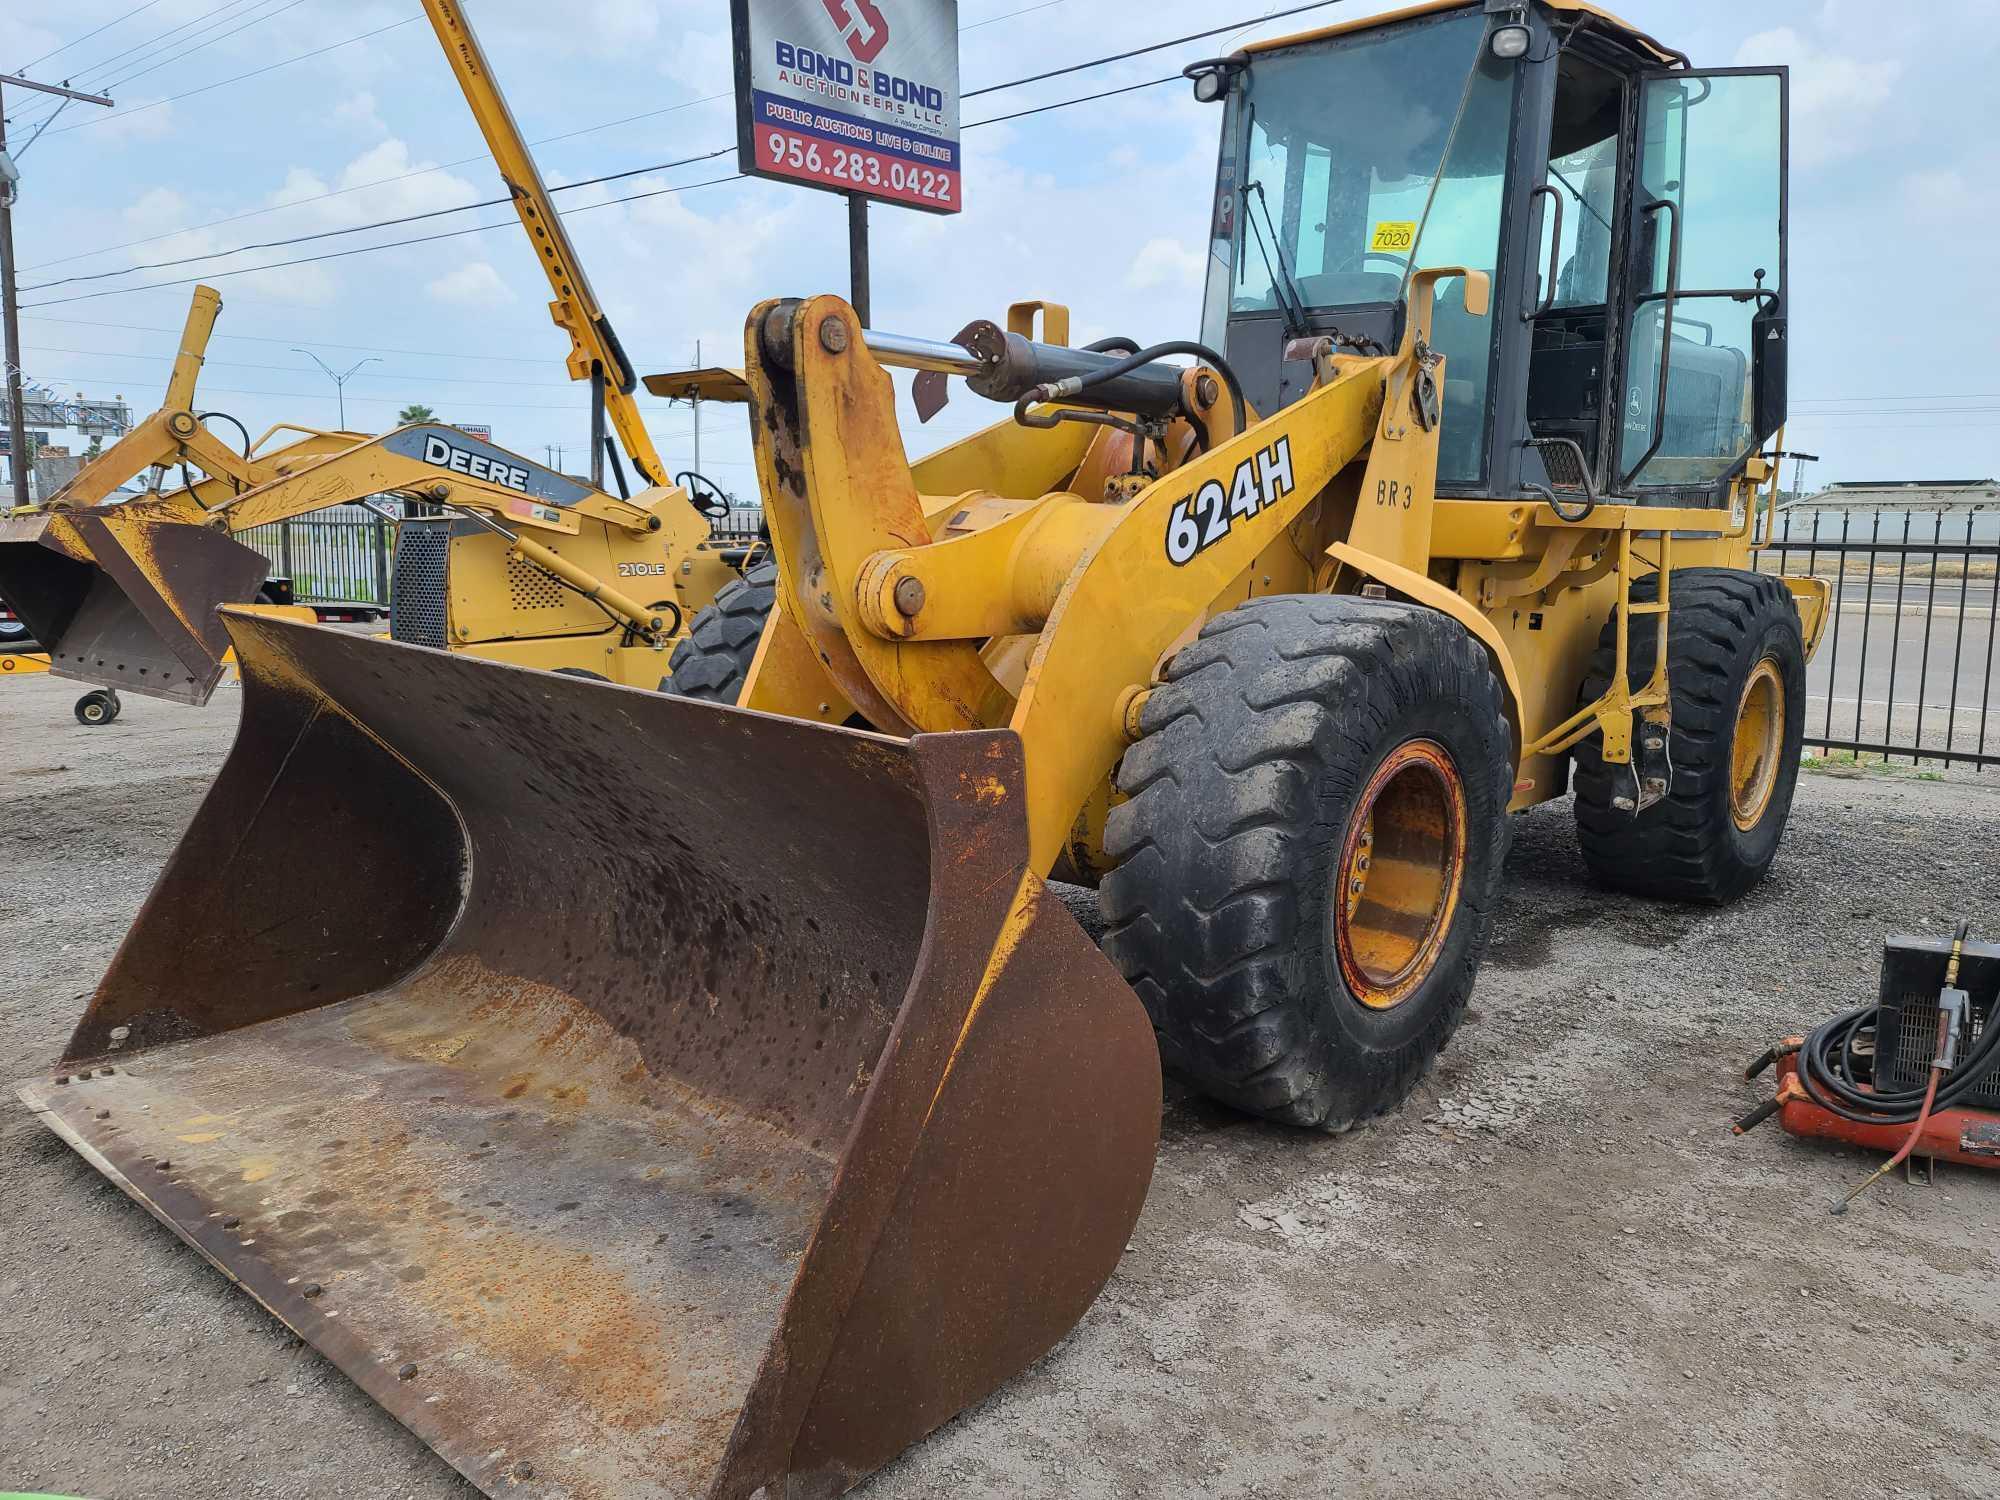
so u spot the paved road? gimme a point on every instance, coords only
(1890, 673)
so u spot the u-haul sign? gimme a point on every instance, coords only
(857, 96)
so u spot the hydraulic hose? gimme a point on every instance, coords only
(1063, 390)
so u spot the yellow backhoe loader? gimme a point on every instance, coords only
(706, 1100)
(121, 598)
(122, 592)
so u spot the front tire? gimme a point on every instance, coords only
(712, 661)
(1316, 824)
(1736, 665)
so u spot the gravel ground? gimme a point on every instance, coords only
(1553, 1273)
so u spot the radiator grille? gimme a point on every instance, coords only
(417, 591)
(1906, 1029)
(528, 587)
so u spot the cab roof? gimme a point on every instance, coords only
(1660, 52)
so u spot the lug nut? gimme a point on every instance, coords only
(833, 334)
(909, 597)
(311, 1290)
(406, 1372)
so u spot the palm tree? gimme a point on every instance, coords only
(416, 411)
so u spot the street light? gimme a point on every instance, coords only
(339, 378)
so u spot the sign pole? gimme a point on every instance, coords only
(18, 457)
(857, 256)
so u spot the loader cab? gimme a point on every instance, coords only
(1630, 210)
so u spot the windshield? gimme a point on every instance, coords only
(1338, 146)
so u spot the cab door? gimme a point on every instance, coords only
(1703, 371)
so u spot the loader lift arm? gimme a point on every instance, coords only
(595, 353)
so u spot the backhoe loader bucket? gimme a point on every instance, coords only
(127, 600)
(666, 1100)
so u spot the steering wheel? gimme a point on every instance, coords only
(704, 494)
(1400, 262)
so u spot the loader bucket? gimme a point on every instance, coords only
(125, 599)
(648, 1098)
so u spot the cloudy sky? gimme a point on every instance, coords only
(351, 117)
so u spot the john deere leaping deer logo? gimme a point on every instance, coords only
(862, 26)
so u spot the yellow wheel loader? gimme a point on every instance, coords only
(709, 1100)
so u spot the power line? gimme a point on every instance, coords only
(711, 98)
(327, 234)
(235, 364)
(214, 255)
(154, 62)
(104, 65)
(253, 338)
(1192, 36)
(360, 187)
(240, 77)
(114, 21)
(421, 239)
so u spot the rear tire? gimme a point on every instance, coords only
(1736, 660)
(712, 662)
(1307, 748)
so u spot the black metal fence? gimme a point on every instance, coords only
(1906, 668)
(347, 554)
(338, 555)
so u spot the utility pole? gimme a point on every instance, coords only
(697, 411)
(10, 302)
(341, 378)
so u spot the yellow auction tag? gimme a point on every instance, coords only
(1394, 237)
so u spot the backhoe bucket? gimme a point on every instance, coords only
(125, 599)
(651, 1098)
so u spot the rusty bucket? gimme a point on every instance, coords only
(123, 598)
(647, 1098)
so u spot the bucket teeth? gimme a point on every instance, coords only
(668, 1099)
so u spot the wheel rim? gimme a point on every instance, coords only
(1758, 743)
(1400, 872)
(94, 713)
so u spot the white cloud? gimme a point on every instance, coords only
(1165, 263)
(474, 284)
(1833, 96)
(359, 111)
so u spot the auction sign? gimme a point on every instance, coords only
(856, 96)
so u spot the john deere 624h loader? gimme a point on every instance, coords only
(691, 1099)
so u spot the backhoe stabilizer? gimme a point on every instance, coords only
(730, 1124)
(126, 599)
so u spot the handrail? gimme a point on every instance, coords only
(1667, 299)
(1555, 254)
